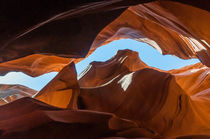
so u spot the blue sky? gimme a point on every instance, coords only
(148, 54)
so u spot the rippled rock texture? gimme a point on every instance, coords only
(30, 40)
(120, 98)
(9, 93)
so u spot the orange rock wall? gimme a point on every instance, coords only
(120, 98)
(183, 32)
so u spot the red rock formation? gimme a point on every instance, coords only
(69, 29)
(158, 101)
(125, 99)
(64, 28)
(122, 97)
(63, 90)
(35, 119)
(9, 93)
(170, 27)
(35, 65)
(193, 79)
(98, 73)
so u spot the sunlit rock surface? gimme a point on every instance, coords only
(74, 29)
(35, 65)
(120, 98)
(9, 93)
(98, 73)
(168, 104)
(194, 79)
(63, 90)
(170, 27)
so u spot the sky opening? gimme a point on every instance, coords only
(147, 54)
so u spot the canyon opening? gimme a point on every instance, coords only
(103, 69)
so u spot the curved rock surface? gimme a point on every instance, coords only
(167, 104)
(121, 97)
(74, 29)
(9, 93)
(35, 119)
(98, 73)
(194, 79)
(65, 28)
(35, 65)
(63, 90)
(170, 27)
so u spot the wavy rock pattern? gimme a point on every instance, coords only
(35, 65)
(75, 29)
(9, 93)
(120, 98)
(65, 89)
(159, 101)
(193, 79)
(164, 27)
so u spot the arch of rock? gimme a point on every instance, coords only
(120, 98)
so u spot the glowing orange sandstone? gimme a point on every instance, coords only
(122, 97)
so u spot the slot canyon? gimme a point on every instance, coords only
(119, 98)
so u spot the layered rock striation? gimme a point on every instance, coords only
(74, 29)
(121, 97)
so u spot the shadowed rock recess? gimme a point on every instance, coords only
(119, 98)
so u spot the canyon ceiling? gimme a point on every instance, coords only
(119, 98)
